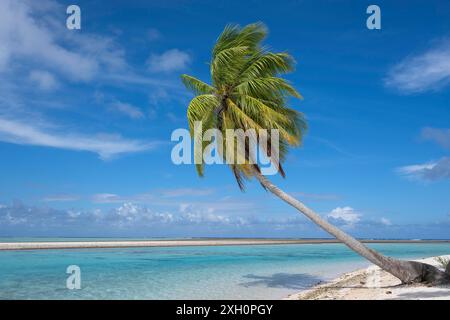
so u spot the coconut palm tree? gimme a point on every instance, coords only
(247, 92)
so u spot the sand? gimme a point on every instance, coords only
(148, 243)
(175, 243)
(373, 284)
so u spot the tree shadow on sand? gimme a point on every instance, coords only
(297, 281)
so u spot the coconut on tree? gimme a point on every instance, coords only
(247, 91)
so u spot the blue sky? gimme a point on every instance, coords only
(86, 117)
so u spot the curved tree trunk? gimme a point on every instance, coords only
(406, 271)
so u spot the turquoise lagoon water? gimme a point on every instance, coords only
(228, 272)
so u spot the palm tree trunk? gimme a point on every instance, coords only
(406, 271)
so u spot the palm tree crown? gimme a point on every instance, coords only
(247, 92)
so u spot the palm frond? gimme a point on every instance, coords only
(247, 93)
(199, 107)
(268, 64)
(268, 88)
(196, 86)
(234, 36)
(226, 65)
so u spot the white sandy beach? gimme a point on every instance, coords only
(148, 243)
(175, 243)
(373, 284)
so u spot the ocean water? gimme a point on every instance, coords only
(222, 272)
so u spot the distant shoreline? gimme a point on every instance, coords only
(38, 245)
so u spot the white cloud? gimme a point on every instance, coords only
(23, 37)
(43, 79)
(106, 198)
(346, 215)
(73, 214)
(431, 171)
(386, 221)
(427, 71)
(158, 197)
(127, 109)
(129, 219)
(412, 169)
(105, 145)
(205, 218)
(125, 215)
(440, 136)
(128, 211)
(115, 198)
(13, 220)
(37, 51)
(32, 33)
(171, 60)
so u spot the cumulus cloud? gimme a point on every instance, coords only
(105, 145)
(205, 218)
(430, 171)
(18, 214)
(171, 60)
(429, 70)
(131, 219)
(193, 205)
(125, 215)
(130, 214)
(345, 215)
(127, 109)
(437, 135)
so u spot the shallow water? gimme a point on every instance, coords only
(222, 272)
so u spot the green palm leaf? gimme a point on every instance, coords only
(247, 93)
